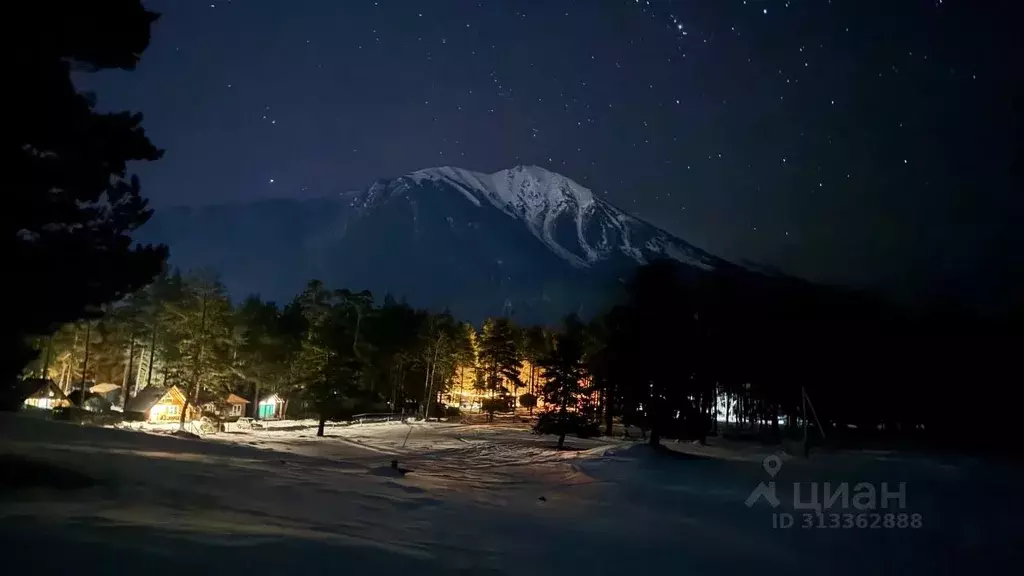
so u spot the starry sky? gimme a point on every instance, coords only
(869, 142)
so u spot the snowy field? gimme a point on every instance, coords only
(477, 499)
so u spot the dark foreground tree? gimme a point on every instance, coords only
(74, 207)
(564, 370)
(528, 401)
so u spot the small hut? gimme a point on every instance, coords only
(161, 405)
(271, 407)
(45, 395)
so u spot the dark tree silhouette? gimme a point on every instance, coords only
(500, 355)
(75, 206)
(564, 371)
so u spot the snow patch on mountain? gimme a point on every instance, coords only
(544, 201)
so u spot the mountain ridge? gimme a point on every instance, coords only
(478, 243)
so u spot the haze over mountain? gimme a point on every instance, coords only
(523, 240)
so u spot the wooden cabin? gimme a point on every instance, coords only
(46, 395)
(271, 408)
(161, 405)
(228, 408)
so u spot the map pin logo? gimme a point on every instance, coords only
(772, 464)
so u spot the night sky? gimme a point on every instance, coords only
(861, 141)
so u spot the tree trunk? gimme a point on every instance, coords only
(426, 388)
(431, 368)
(728, 405)
(196, 365)
(803, 415)
(515, 398)
(320, 426)
(256, 400)
(609, 415)
(702, 418)
(714, 410)
(46, 360)
(152, 357)
(655, 438)
(126, 381)
(85, 363)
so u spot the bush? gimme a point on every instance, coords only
(453, 412)
(528, 400)
(574, 423)
(588, 429)
(492, 405)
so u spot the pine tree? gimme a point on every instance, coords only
(500, 355)
(266, 345)
(75, 206)
(202, 324)
(564, 371)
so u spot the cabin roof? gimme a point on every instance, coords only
(272, 399)
(43, 388)
(148, 397)
(104, 388)
(236, 399)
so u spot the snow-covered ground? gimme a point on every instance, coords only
(477, 499)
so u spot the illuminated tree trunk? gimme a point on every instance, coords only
(728, 404)
(429, 382)
(197, 365)
(125, 381)
(46, 360)
(85, 363)
(152, 358)
(609, 414)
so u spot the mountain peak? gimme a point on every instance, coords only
(565, 216)
(525, 191)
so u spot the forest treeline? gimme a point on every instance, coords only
(662, 359)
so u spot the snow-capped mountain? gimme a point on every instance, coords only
(524, 239)
(566, 217)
